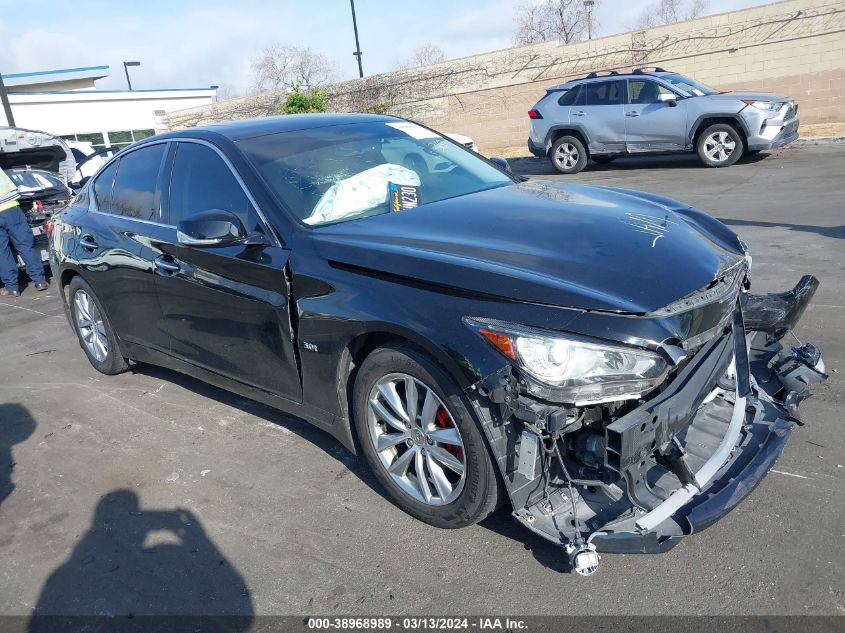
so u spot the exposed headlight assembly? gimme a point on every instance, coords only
(768, 106)
(579, 370)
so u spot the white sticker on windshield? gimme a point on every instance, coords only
(413, 130)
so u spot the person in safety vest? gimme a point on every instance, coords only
(14, 230)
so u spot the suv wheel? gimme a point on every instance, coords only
(568, 155)
(720, 145)
(92, 327)
(422, 440)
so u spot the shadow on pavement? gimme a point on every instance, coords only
(135, 562)
(835, 232)
(16, 425)
(547, 554)
(303, 429)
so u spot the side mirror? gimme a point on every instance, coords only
(211, 228)
(77, 186)
(500, 162)
(671, 99)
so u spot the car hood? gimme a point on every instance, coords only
(577, 246)
(749, 96)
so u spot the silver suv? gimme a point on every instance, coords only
(655, 111)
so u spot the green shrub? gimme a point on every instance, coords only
(299, 102)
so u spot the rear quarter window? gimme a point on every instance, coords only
(103, 186)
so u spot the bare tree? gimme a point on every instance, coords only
(564, 20)
(424, 55)
(282, 67)
(669, 11)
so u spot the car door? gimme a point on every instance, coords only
(225, 309)
(651, 123)
(115, 249)
(598, 110)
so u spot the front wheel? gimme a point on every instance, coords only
(421, 439)
(568, 155)
(720, 145)
(92, 327)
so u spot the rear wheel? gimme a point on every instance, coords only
(421, 439)
(568, 155)
(720, 145)
(92, 327)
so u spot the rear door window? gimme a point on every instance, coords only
(135, 193)
(604, 93)
(103, 187)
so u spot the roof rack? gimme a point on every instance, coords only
(593, 75)
(645, 69)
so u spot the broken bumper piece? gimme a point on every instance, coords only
(684, 458)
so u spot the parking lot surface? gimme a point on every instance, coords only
(152, 493)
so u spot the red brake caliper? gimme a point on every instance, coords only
(445, 422)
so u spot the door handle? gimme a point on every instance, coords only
(88, 243)
(632, 113)
(166, 266)
(579, 113)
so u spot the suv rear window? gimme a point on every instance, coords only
(569, 97)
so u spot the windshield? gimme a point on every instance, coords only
(690, 86)
(343, 172)
(33, 181)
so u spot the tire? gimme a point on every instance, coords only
(468, 497)
(568, 155)
(97, 340)
(603, 159)
(720, 145)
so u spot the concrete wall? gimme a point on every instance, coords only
(796, 47)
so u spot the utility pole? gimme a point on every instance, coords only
(126, 66)
(7, 107)
(357, 52)
(589, 5)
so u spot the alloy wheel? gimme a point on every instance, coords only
(567, 155)
(719, 146)
(416, 439)
(89, 322)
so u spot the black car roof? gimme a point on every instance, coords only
(248, 128)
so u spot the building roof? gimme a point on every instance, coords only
(52, 76)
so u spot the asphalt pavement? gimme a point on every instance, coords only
(152, 493)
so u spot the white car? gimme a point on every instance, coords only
(463, 140)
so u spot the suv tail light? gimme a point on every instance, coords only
(533, 114)
(48, 229)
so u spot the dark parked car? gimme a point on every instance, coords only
(590, 357)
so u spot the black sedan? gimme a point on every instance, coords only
(590, 357)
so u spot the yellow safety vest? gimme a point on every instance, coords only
(8, 192)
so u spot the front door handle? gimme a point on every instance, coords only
(88, 243)
(632, 113)
(579, 113)
(165, 265)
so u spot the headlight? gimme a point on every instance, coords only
(579, 370)
(768, 106)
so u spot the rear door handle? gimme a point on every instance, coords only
(88, 243)
(632, 113)
(166, 266)
(579, 113)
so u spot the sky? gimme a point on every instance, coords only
(193, 43)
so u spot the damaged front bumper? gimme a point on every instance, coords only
(676, 463)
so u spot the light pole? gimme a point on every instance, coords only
(357, 52)
(588, 4)
(7, 107)
(126, 70)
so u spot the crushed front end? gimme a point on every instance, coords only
(622, 474)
